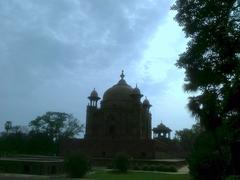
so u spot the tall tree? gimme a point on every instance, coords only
(212, 62)
(187, 137)
(8, 126)
(56, 125)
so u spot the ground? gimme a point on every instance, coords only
(108, 175)
(101, 175)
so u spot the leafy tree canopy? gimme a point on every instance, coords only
(187, 137)
(212, 70)
(212, 58)
(56, 125)
(8, 126)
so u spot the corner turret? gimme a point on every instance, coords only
(136, 94)
(146, 104)
(93, 98)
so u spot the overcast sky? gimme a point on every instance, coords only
(54, 52)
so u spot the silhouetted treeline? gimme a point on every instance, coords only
(32, 143)
(44, 136)
(187, 137)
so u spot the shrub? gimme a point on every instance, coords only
(151, 168)
(205, 161)
(233, 178)
(76, 165)
(109, 166)
(166, 168)
(121, 162)
(172, 169)
(145, 168)
(136, 167)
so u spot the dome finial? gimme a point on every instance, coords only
(122, 75)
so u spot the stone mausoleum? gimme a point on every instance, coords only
(121, 115)
(121, 123)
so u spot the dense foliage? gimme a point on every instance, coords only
(121, 162)
(206, 161)
(187, 137)
(56, 125)
(8, 126)
(77, 165)
(212, 70)
(21, 143)
(161, 168)
(44, 136)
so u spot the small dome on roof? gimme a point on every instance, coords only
(136, 90)
(146, 102)
(161, 127)
(94, 95)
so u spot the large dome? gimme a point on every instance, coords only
(119, 92)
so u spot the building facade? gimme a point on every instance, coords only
(121, 114)
(120, 122)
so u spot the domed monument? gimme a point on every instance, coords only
(121, 123)
(121, 115)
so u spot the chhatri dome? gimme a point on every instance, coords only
(93, 94)
(136, 90)
(146, 102)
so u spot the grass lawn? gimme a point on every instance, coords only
(104, 175)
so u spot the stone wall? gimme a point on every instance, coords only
(32, 165)
(138, 149)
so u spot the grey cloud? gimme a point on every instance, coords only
(74, 43)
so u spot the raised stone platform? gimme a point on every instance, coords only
(137, 149)
(41, 165)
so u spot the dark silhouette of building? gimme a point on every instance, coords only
(161, 132)
(121, 123)
(121, 115)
